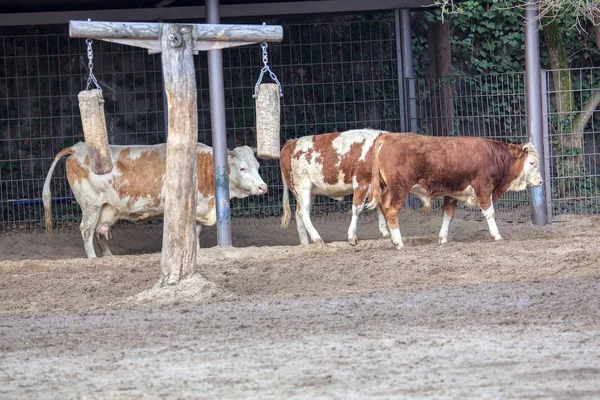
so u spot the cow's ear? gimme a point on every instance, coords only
(254, 150)
(527, 146)
(231, 152)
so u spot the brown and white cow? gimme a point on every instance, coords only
(474, 170)
(331, 164)
(134, 190)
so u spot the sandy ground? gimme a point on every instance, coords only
(270, 319)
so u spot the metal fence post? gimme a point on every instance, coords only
(219, 134)
(400, 69)
(409, 74)
(546, 130)
(533, 97)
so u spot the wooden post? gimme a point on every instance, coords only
(177, 44)
(268, 140)
(91, 107)
(181, 177)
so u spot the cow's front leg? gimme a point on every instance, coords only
(487, 207)
(449, 208)
(358, 205)
(303, 205)
(89, 220)
(356, 211)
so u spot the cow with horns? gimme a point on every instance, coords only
(134, 190)
(474, 170)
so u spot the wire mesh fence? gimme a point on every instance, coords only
(337, 75)
(573, 132)
(490, 106)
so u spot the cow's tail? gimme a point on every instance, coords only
(374, 198)
(285, 164)
(46, 195)
(287, 211)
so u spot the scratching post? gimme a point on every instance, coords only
(267, 121)
(91, 106)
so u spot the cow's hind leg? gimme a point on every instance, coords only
(449, 209)
(303, 204)
(392, 203)
(89, 220)
(383, 228)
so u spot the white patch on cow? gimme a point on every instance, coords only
(244, 179)
(489, 215)
(397, 238)
(136, 151)
(345, 140)
(443, 236)
(530, 174)
(205, 214)
(383, 228)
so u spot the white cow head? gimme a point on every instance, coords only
(530, 175)
(244, 179)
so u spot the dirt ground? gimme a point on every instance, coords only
(270, 319)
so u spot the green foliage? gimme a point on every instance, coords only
(487, 36)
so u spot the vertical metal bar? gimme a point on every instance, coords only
(547, 180)
(410, 106)
(400, 68)
(219, 135)
(407, 59)
(534, 105)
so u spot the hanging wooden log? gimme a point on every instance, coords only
(268, 141)
(91, 107)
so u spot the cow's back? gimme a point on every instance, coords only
(135, 188)
(329, 161)
(443, 164)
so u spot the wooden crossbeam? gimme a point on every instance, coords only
(146, 34)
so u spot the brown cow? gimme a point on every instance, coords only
(331, 164)
(474, 170)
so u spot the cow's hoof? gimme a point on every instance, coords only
(353, 241)
(442, 240)
(319, 242)
(398, 245)
(386, 235)
(497, 237)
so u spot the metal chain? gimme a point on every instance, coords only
(91, 77)
(266, 68)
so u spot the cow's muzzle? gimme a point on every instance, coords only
(262, 189)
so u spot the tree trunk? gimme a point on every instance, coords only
(440, 63)
(597, 30)
(561, 76)
(181, 177)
